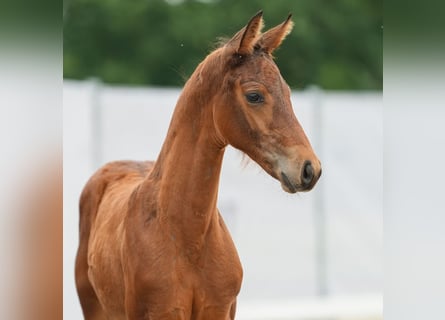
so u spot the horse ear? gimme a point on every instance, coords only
(272, 39)
(245, 39)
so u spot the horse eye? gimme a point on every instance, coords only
(254, 97)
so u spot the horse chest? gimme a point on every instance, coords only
(217, 269)
(189, 279)
(218, 279)
(208, 292)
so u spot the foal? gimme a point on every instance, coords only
(152, 242)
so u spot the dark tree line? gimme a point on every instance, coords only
(336, 44)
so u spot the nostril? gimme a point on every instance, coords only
(307, 174)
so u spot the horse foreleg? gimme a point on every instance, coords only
(233, 310)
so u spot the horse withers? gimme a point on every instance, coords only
(153, 244)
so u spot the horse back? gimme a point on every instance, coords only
(124, 175)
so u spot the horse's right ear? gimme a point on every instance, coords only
(244, 40)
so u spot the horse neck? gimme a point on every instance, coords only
(188, 168)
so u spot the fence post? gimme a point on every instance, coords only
(96, 123)
(319, 211)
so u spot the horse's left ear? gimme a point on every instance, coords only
(243, 41)
(272, 39)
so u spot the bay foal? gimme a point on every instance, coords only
(152, 242)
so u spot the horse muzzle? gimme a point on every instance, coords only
(305, 180)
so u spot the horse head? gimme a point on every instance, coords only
(252, 109)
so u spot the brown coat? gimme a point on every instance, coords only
(152, 242)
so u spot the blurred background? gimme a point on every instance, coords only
(336, 45)
(305, 256)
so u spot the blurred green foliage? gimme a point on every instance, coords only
(336, 44)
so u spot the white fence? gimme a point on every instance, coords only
(318, 255)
